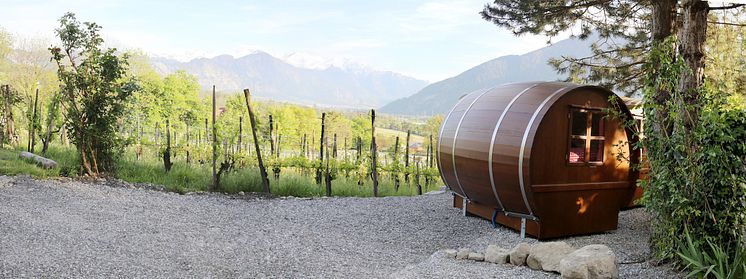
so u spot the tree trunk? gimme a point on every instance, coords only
(663, 22)
(262, 170)
(692, 36)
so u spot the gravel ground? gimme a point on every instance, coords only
(71, 229)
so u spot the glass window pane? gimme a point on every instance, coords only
(597, 151)
(579, 123)
(577, 151)
(597, 124)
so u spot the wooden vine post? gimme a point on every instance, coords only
(32, 125)
(334, 147)
(188, 138)
(396, 173)
(215, 182)
(262, 170)
(167, 153)
(406, 159)
(240, 133)
(328, 175)
(417, 177)
(373, 151)
(321, 149)
(207, 133)
(429, 161)
(271, 137)
(303, 146)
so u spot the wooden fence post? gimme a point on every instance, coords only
(262, 170)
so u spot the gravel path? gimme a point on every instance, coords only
(72, 229)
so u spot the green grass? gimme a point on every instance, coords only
(12, 164)
(195, 177)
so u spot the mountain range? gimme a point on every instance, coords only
(309, 80)
(270, 77)
(440, 96)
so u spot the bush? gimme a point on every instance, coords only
(698, 178)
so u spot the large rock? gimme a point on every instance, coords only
(547, 255)
(495, 254)
(39, 160)
(463, 253)
(590, 262)
(519, 253)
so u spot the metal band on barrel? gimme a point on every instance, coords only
(440, 136)
(455, 139)
(523, 146)
(492, 143)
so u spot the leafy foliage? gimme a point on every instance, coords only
(95, 86)
(712, 260)
(698, 176)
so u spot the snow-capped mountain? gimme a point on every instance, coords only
(298, 78)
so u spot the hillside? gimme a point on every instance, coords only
(439, 97)
(276, 79)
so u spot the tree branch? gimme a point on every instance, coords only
(733, 6)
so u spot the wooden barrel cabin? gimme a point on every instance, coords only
(539, 157)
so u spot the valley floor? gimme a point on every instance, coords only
(50, 228)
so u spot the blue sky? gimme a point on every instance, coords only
(431, 40)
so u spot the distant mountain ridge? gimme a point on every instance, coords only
(440, 96)
(270, 77)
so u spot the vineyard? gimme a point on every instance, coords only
(305, 151)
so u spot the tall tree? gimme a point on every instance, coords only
(95, 84)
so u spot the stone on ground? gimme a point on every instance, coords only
(590, 262)
(547, 255)
(451, 253)
(474, 256)
(463, 253)
(495, 254)
(519, 253)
